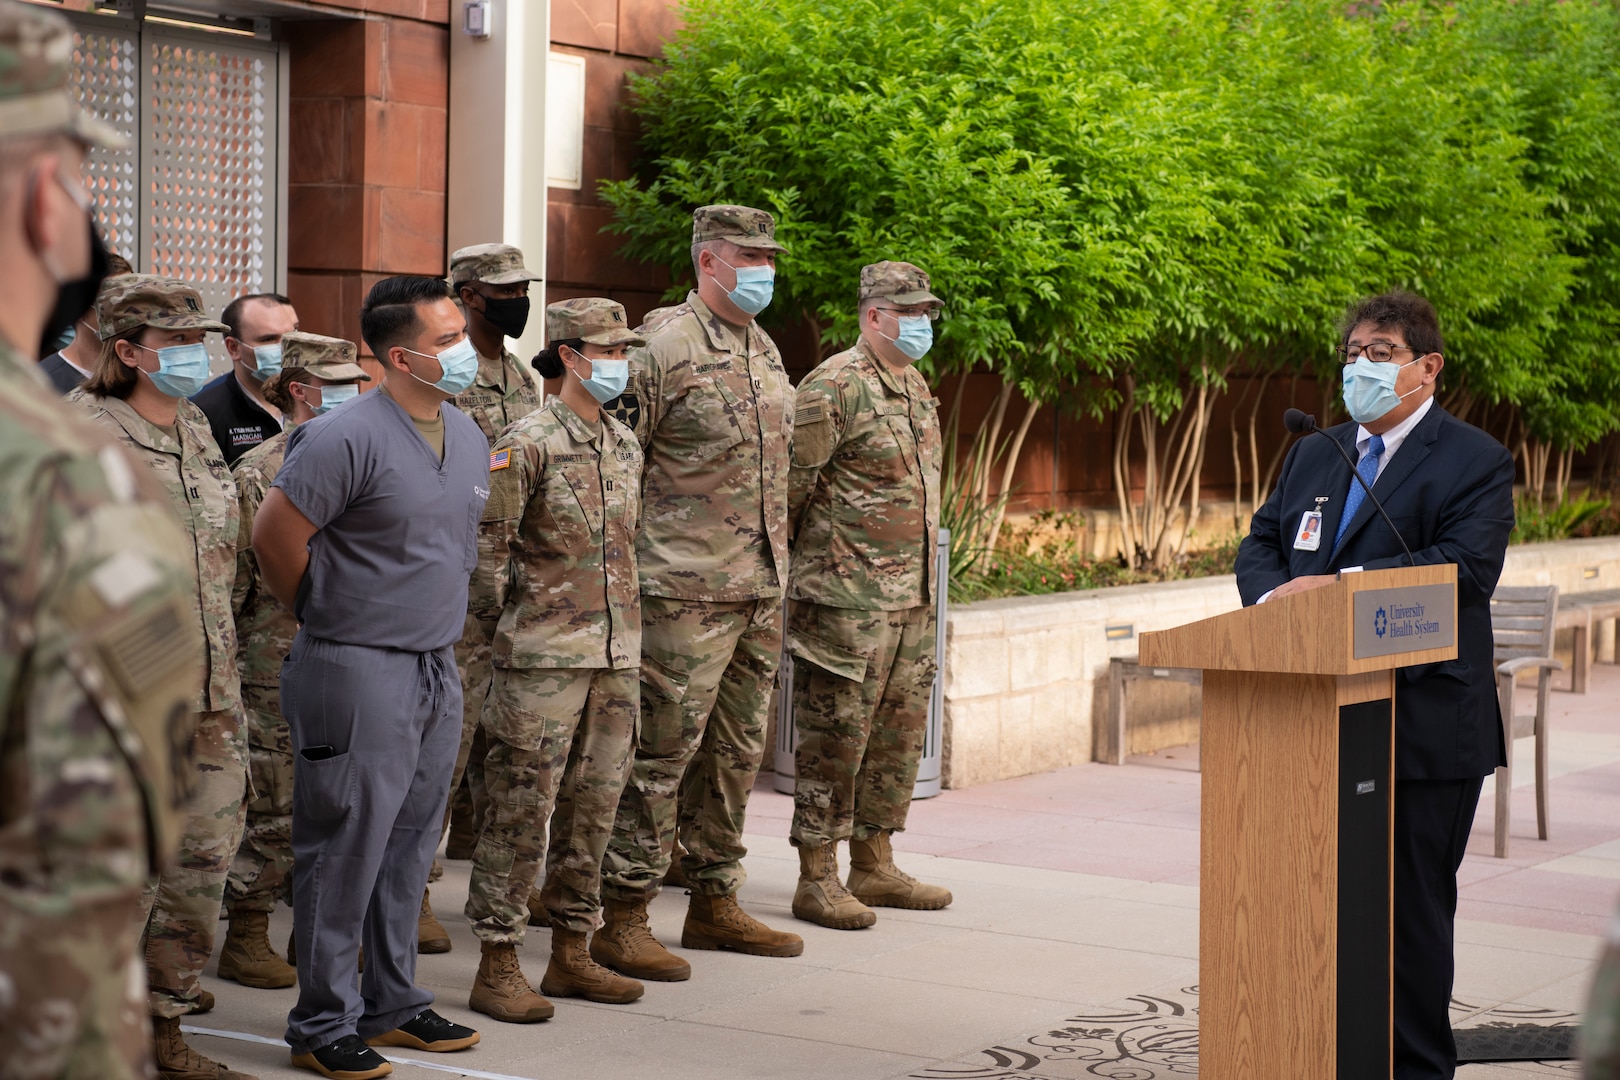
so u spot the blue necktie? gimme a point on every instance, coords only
(1369, 472)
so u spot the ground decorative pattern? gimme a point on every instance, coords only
(1155, 1037)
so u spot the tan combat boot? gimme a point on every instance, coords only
(572, 973)
(717, 922)
(538, 915)
(626, 944)
(821, 898)
(247, 958)
(431, 936)
(875, 880)
(501, 991)
(177, 1061)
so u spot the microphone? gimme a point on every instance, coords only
(1303, 423)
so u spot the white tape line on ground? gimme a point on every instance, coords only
(459, 1070)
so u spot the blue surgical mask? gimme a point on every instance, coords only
(1369, 389)
(755, 286)
(916, 335)
(266, 360)
(182, 369)
(334, 395)
(459, 364)
(608, 379)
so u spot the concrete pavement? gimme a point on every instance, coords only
(1073, 936)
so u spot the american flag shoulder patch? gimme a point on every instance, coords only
(500, 459)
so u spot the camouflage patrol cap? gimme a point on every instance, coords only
(898, 283)
(329, 358)
(36, 97)
(493, 264)
(742, 225)
(131, 300)
(596, 320)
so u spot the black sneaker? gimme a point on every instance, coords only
(427, 1031)
(346, 1059)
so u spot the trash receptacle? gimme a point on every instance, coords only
(933, 752)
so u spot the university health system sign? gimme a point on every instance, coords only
(1392, 621)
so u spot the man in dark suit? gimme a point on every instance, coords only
(1448, 487)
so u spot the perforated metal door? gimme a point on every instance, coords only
(106, 65)
(198, 195)
(208, 138)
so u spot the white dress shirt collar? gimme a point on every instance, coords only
(1394, 436)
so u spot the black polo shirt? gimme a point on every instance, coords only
(238, 422)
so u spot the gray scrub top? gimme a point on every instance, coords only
(397, 530)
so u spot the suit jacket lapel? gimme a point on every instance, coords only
(1338, 488)
(1411, 453)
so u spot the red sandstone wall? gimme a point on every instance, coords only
(368, 131)
(615, 37)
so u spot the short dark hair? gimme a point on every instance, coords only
(548, 361)
(388, 315)
(1400, 310)
(232, 315)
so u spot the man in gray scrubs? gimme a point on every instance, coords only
(369, 535)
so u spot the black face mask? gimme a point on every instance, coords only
(75, 298)
(508, 316)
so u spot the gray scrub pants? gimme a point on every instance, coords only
(367, 807)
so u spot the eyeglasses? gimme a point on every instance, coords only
(1379, 352)
(931, 314)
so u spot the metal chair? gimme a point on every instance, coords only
(1523, 620)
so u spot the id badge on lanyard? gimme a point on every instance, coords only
(1309, 536)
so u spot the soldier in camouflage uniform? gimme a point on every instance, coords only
(99, 658)
(556, 591)
(492, 285)
(317, 374)
(863, 497)
(711, 403)
(152, 358)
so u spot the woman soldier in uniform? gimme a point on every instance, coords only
(557, 592)
(153, 358)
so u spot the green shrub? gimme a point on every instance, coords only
(1536, 523)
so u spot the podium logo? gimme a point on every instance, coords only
(1380, 623)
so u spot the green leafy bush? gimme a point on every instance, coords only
(1535, 523)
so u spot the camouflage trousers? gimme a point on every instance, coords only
(861, 683)
(261, 873)
(181, 909)
(559, 748)
(706, 671)
(469, 798)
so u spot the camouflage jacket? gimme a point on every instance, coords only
(194, 474)
(500, 396)
(264, 629)
(556, 579)
(711, 409)
(864, 489)
(99, 661)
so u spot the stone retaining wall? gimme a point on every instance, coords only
(1027, 677)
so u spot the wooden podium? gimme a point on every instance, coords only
(1296, 880)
